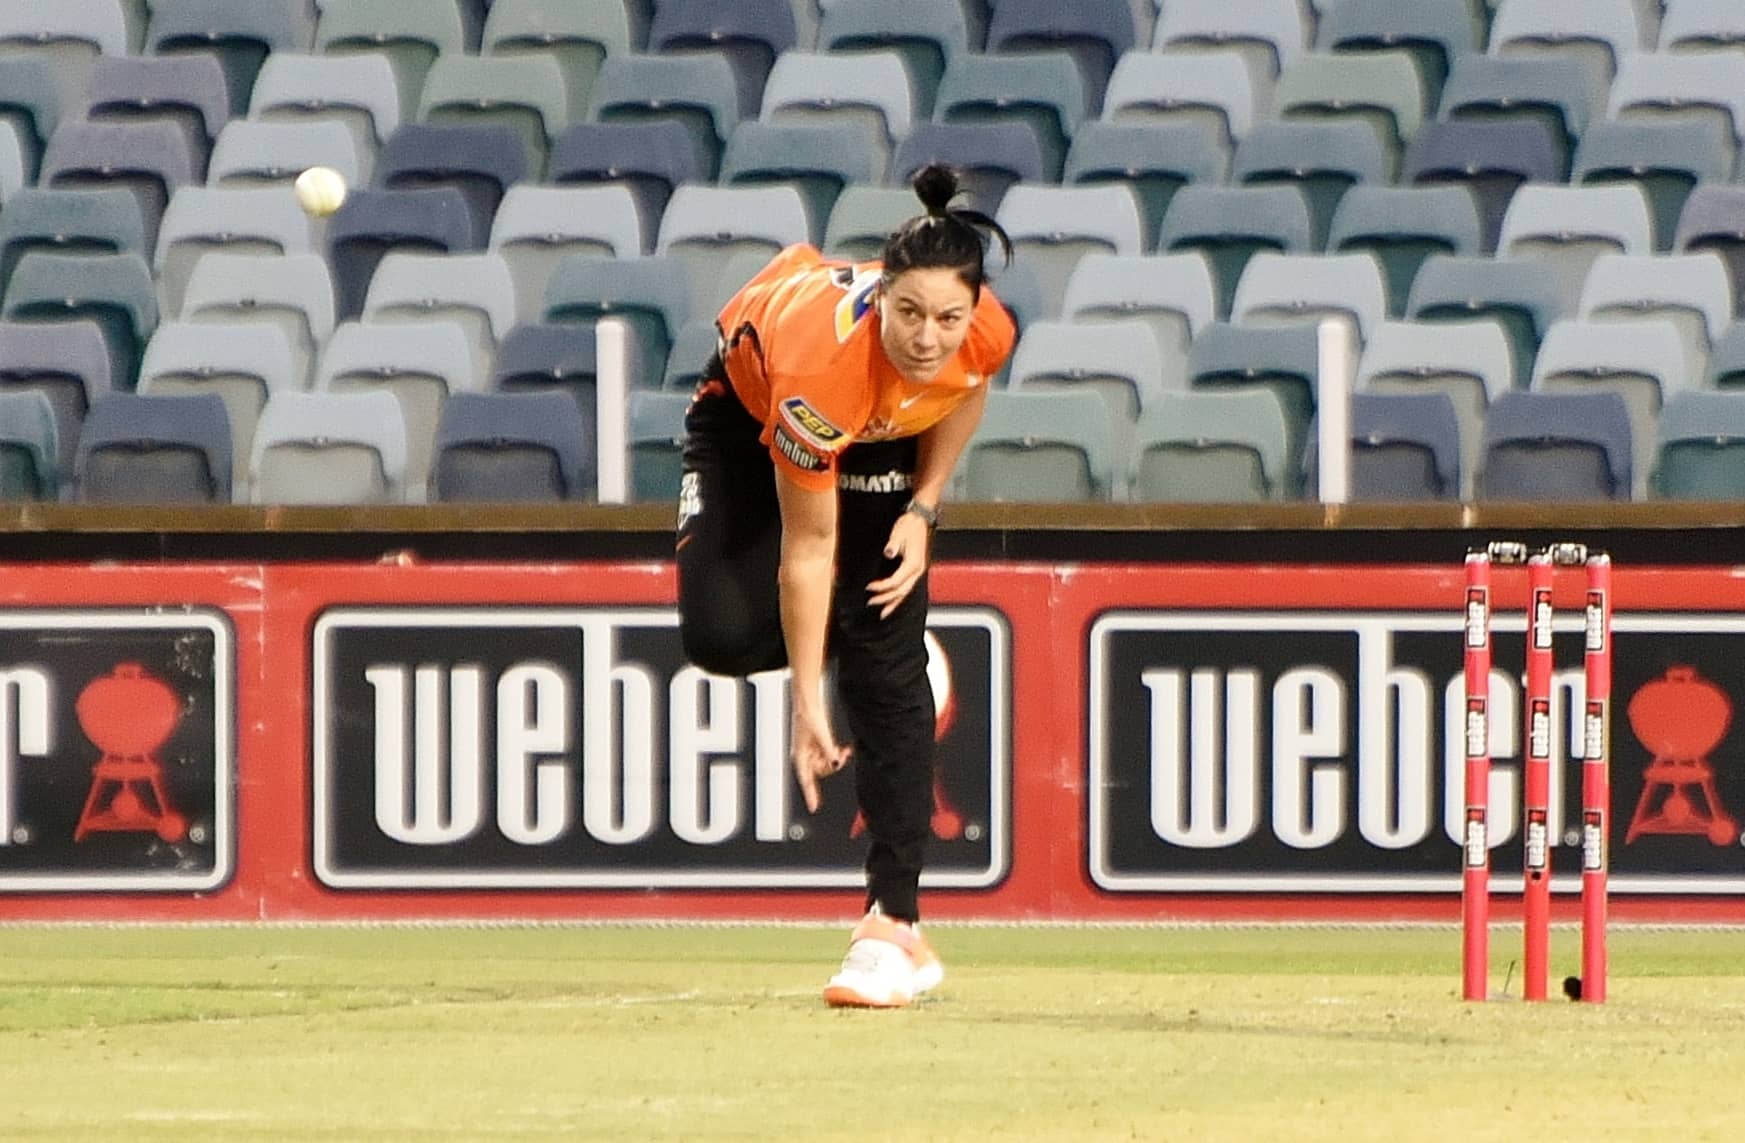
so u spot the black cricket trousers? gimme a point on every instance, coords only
(729, 547)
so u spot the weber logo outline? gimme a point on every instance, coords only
(42, 725)
(1335, 783)
(593, 741)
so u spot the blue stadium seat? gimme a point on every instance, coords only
(482, 161)
(68, 363)
(650, 159)
(138, 449)
(1094, 33)
(373, 222)
(989, 158)
(1404, 446)
(505, 447)
(749, 34)
(239, 36)
(1557, 447)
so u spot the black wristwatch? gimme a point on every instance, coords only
(931, 515)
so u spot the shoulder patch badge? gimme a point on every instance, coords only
(797, 453)
(856, 303)
(809, 425)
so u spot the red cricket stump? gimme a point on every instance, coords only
(1596, 786)
(1536, 866)
(1475, 896)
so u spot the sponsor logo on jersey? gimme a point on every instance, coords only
(892, 481)
(856, 303)
(809, 425)
(799, 454)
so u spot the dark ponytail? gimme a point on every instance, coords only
(945, 236)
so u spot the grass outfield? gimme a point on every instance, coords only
(645, 1032)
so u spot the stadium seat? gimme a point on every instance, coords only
(705, 227)
(471, 291)
(66, 37)
(31, 105)
(1153, 161)
(862, 219)
(1405, 446)
(1043, 91)
(202, 219)
(137, 449)
(536, 226)
(103, 221)
(1557, 448)
(1322, 160)
(1491, 160)
(1690, 290)
(506, 447)
(115, 290)
(1269, 34)
(252, 155)
(1051, 228)
(577, 37)
(242, 363)
(1402, 226)
(748, 34)
(1683, 87)
(1171, 295)
(1726, 361)
(657, 440)
(697, 92)
(1643, 362)
(867, 92)
(359, 91)
(293, 293)
(1213, 92)
(1282, 360)
(1598, 33)
(1040, 448)
(29, 446)
(329, 448)
(1713, 219)
(1309, 288)
(927, 34)
(649, 160)
(989, 158)
(374, 222)
(1469, 362)
(68, 364)
(410, 33)
(1521, 295)
(526, 95)
(1381, 91)
(186, 90)
(1561, 94)
(1093, 33)
(556, 358)
(149, 159)
(1569, 227)
(1229, 225)
(1701, 447)
(692, 347)
(1701, 26)
(481, 161)
(1119, 361)
(1210, 447)
(1432, 33)
(815, 159)
(239, 36)
(420, 365)
(651, 295)
(1665, 160)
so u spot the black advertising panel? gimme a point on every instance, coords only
(1291, 751)
(515, 747)
(116, 767)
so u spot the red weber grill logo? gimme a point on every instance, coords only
(1325, 752)
(115, 750)
(523, 748)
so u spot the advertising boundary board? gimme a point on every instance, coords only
(1046, 628)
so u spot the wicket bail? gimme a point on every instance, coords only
(1536, 779)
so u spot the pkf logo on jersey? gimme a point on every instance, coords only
(1324, 752)
(504, 747)
(115, 750)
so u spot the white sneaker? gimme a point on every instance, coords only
(889, 963)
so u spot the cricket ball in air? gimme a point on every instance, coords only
(320, 191)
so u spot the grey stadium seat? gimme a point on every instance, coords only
(199, 220)
(536, 226)
(242, 364)
(293, 292)
(329, 448)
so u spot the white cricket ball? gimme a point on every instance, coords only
(320, 190)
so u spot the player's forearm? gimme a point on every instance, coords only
(806, 574)
(941, 445)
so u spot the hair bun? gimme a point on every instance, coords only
(935, 185)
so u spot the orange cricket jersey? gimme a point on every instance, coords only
(803, 354)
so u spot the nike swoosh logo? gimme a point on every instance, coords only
(907, 401)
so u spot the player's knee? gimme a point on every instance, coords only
(722, 646)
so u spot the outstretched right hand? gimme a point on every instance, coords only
(816, 753)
